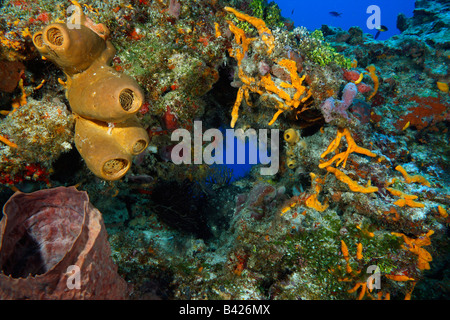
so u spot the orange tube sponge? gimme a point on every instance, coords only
(96, 92)
(107, 151)
(101, 93)
(73, 50)
(130, 136)
(409, 203)
(101, 152)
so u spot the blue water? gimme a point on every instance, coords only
(240, 170)
(312, 14)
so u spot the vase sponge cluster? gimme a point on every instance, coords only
(104, 101)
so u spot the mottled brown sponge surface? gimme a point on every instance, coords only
(47, 234)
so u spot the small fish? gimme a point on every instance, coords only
(335, 14)
(380, 29)
(140, 179)
(293, 11)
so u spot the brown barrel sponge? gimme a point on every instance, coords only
(73, 50)
(44, 236)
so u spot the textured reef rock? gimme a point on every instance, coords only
(430, 23)
(43, 235)
(42, 131)
(260, 201)
(412, 69)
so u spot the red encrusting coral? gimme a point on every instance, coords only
(170, 120)
(351, 75)
(364, 88)
(430, 110)
(10, 74)
(32, 171)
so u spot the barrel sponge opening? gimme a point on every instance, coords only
(115, 167)
(38, 40)
(55, 36)
(139, 146)
(291, 136)
(128, 100)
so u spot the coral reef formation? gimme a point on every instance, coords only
(40, 131)
(96, 92)
(52, 239)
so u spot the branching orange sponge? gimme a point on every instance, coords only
(351, 184)
(312, 201)
(343, 156)
(288, 96)
(260, 25)
(415, 246)
(406, 199)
